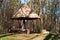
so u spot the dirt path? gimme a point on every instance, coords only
(37, 37)
(42, 37)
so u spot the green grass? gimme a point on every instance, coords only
(5, 38)
(52, 37)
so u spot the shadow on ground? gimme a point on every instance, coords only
(4, 35)
(52, 37)
(34, 37)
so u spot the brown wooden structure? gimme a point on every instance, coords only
(25, 13)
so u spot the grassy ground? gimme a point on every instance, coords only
(12, 36)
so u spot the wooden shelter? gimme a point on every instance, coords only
(25, 13)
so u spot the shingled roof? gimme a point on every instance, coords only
(25, 11)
